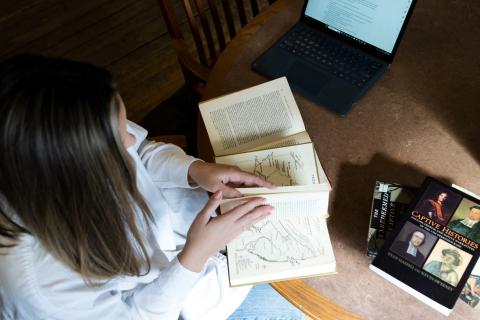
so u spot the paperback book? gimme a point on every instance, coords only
(260, 130)
(434, 248)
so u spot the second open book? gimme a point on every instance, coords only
(260, 130)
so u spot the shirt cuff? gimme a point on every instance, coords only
(166, 294)
(185, 161)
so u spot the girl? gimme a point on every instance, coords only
(96, 222)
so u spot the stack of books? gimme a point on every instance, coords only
(260, 130)
(427, 241)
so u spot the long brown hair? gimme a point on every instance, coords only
(65, 177)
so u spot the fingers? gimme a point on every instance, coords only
(251, 180)
(257, 214)
(211, 205)
(245, 208)
(230, 192)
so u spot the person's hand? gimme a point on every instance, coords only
(219, 177)
(207, 234)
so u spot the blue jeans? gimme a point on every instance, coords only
(265, 303)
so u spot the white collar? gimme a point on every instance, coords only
(469, 222)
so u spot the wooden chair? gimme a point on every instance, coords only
(212, 24)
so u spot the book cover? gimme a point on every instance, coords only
(471, 292)
(389, 202)
(435, 246)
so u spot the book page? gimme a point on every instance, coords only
(285, 166)
(299, 138)
(248, 118)
(251, 191)
(292, 242)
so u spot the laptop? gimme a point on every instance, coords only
(338, 49)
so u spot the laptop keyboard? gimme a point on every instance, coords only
(330, 55)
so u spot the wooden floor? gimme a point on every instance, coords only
(128, 37)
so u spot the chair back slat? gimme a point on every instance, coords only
(207, 32)
(228, 16)
(217, 22)
(212, 24)
(254, 6)
(195, 33)
(170, 18)
(241, 12)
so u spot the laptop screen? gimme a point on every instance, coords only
(375, 22)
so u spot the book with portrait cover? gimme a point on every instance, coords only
(435, 246)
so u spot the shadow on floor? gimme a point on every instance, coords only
(351, 205)
(176, 116)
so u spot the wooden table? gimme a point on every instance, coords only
(420, 119)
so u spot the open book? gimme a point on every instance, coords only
(260, 130)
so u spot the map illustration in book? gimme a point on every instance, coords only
(291, 243)
(428, 254)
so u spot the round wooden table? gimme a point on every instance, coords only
(421, 118)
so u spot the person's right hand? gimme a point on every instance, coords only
(207, 234)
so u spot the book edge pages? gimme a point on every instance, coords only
(287, 189)
(431, 303)
(251, 281)
(321, 174)
(290, 196)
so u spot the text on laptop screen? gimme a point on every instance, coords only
(376, 22)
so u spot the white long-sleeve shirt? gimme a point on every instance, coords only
(35, 285)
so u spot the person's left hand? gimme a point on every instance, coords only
(214, 177)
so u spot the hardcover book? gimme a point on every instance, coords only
(435, 246)
(260, 130)
(388, 203)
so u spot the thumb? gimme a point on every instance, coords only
(231, 192)
(211, 205)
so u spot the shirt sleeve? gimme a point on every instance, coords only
(51, 290)
(166, 164)
(164, 297)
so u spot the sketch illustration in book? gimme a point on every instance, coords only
(271, 242)
(285, 166)
(293, 242)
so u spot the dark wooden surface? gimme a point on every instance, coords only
(128, 37)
